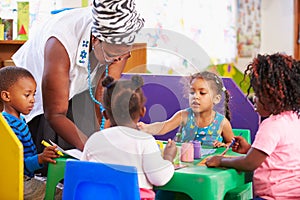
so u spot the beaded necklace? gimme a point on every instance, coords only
(92, 96)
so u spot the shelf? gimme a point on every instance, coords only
(13, 42)
(8, 48)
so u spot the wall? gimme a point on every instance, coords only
(277, 29)
(277, 24)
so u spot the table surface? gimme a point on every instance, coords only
(201, 182)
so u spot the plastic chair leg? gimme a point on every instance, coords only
(55, 174)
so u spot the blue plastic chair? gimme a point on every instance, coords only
(91, 180)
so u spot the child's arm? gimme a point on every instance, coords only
(250, 162)
(161, 128)
(227, 132)
(35, 162)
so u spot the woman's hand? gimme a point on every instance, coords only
(48, 154)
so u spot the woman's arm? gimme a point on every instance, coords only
(55, 89)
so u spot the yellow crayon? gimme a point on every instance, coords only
(46, 144)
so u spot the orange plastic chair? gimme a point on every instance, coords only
(12, 167)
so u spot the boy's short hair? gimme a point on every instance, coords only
(11, 74)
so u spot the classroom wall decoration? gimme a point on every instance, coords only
(184, 36)
(249, 27)
(210, 24)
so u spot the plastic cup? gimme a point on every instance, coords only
(197, 149)
(187, 152)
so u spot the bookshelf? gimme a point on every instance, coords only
(8, 48)
(135, 64)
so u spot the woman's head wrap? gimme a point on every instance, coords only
(116, 21)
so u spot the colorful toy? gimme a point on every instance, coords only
(22, 35)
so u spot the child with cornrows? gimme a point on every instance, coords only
(200, 121)
(274, 154)
(123, 143)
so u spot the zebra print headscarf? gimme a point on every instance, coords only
(116, 21)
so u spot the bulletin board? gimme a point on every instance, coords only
(209, 24)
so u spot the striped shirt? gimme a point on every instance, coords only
(21, 129)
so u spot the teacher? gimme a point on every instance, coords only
(68, 55)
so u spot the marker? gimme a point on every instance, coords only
(231, 144)
(46, 144)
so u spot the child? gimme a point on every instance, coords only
(17, 90)
(274, 154)
(200, 121)
(123, 143)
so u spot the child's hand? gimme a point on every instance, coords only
(141, 126)
(218, 144)
(240, 145)
(48, 154)
(170, 150)
(214, 161)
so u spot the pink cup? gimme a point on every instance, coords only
(187, 152)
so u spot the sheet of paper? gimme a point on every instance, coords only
(179, 166)
(75, 153)
(205, 152)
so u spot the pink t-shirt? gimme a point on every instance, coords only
(278, 177)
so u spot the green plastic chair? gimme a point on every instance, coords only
(245, 134)
(55, 174)
(243, 192)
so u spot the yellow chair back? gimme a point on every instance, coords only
(12, 164)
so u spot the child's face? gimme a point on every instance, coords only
(21, 96)
(261, 107)
(201, 97)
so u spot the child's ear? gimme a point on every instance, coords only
(143, 111)
(5, 96)
(217, 99)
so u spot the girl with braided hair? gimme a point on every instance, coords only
(273, 154)
(200, 121)
(123, 143)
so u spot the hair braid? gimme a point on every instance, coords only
(276, 78)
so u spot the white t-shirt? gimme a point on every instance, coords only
(71, 28)
(278, 177)
(131, 147)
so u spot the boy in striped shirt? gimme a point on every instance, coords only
(17, 90)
